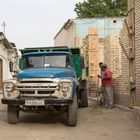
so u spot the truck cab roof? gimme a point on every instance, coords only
(47, 53)
(51, 49)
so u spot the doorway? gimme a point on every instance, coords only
(1, 73)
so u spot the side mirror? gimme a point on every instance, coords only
(11, 66)
(20, 63)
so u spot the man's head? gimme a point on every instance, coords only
(100, 65)
(104, 67)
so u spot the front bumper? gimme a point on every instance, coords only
(47, 101)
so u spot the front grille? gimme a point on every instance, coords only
(37, 89)
(38, 92)
(36, 82)
(27, 92)
(22, 86)
(45, 92)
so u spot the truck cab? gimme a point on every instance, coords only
(50, 80)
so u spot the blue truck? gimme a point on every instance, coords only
(50, 79)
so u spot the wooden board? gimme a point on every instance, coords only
(93, 54)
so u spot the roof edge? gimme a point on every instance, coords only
(65, 26)
(5, 42)
(69, 21)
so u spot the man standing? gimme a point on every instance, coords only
(101, 71)
(107, 83)
(100, 88)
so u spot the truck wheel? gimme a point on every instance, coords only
(73, 112)
(13, 114)
(84, 98)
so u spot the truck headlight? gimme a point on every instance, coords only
(9, 87)
(65, 87)
(9, 90)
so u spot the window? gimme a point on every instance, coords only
(44, 61)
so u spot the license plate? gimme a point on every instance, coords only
(34, 102)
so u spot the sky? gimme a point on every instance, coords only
(34, 23)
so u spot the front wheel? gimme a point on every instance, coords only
(73, 112)
(13, 114)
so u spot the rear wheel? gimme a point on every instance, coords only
(84, 98)
(13, 114)
(73, 112)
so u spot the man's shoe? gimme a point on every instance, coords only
(111, 106)
(107, 105)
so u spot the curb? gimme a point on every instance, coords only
(124, 108)
(116, 105)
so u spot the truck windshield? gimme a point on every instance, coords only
(44, 61)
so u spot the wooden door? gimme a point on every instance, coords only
(1, 73)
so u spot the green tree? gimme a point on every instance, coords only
(101, 8)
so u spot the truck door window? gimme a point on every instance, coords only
(68, 62)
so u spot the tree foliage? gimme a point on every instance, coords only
(101, 8)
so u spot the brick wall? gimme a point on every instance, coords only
(112, 54)
(101, 50)
(137, 50)
(118, 63)
(121, 83)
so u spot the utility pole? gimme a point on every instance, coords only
(4, 25)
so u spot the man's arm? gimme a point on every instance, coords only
(107, 75)
(99, 76)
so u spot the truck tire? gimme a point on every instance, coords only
(13, 114)
(84, 98)
(72, 113)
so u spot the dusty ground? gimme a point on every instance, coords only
(95, 123)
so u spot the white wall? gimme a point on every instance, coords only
(4, 57)
(66, 37)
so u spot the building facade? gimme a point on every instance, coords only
(98, 33)
(137, 50)
(123, 57)
(121, 83)
(74, 29)
(7, 52)
(127, 87)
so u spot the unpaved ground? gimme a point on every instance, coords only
(95, 123)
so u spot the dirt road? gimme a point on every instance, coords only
(95, 123)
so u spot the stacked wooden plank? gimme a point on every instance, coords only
(93, 53)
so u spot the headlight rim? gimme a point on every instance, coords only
(12, 88)
(63, 87)
(69, 84)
